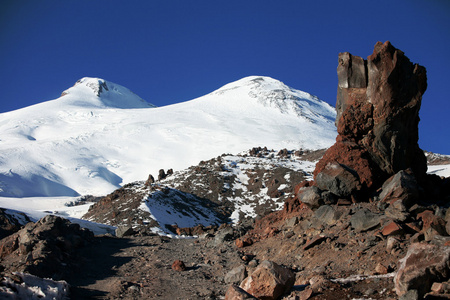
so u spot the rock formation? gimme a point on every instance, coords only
(378, 102)
(46, 248)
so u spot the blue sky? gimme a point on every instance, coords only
(173, 51)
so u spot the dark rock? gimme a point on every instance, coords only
(291, 222)
(236, 275)
(311, 196)
(150, 180)
(122, 231)
(397, 211)
(410, 295)
(51, 243)
(161, 175)
(327, 214)
(338, 179)
(283, 153)
(422, 265)
(400, 187)
(223, 235)
(364, 220)
(354, 156)
(9, 224)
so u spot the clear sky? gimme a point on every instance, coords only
(172, 51)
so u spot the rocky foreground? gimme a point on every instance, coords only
(370, 223)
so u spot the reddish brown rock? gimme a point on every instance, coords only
(243, 242)
(377, 105)
(355, 157)
(306, 293)
(392, 228)
(236, 293)
(314, 241)
(269, 281)
(432, 224)
(422, 265)
(381, 269)
(179, 266)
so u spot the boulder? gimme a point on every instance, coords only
(311, 196)
(401, 187)
(338, 179)
(269, 281)
(50, 243)
(223, 235)
(397, 211)
(291, 222)
(236, 275)
(422, 265)
(123, 231)
(364, 220)
(326, 214)
(432, 225)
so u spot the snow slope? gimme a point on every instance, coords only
(99, 135)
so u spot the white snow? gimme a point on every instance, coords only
(38, 207)
(34, 287)
(82, 143)
(440, 170)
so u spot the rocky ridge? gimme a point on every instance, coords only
(224, 189)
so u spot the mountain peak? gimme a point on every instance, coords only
(270, 92)
(92, 91)
(255, 82)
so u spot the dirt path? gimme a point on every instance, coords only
(140, 268)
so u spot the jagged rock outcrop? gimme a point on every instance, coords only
(378, 102)
(10, 223)
(45, 248)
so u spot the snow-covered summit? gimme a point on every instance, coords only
(84, 143)
(97, 92)
(272, 93)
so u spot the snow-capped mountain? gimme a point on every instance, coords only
(99, 135)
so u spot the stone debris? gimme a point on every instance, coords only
(268, 281)
(179, 266)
